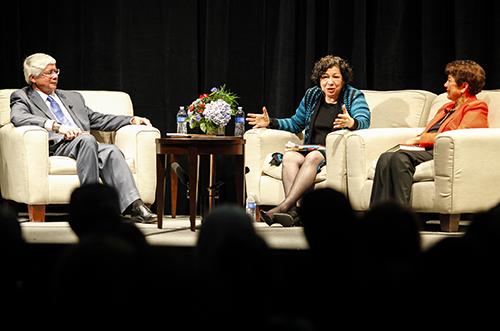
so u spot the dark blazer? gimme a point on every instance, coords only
(28, 108)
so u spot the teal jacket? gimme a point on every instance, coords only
(353, 99)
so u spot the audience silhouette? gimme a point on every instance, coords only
(373, 264)
(325, 213)
(328, 221)
(232, 261)
(12, 259)
(466, 269)
(107, 271)
(94, 209)
(99, 279)
(385, 260)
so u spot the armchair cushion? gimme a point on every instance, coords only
(63, 165)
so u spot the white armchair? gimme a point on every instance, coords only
(265, 182)
(462, 178)
(28, 175)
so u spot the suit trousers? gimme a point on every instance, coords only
(394, 176)
(95, 160)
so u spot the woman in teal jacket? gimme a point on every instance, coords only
(331, 105)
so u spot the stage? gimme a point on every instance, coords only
(176, 232)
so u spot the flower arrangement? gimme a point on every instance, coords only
(212, 111)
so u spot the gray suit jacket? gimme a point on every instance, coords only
(28, 108)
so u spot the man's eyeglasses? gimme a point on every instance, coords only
(51, 73)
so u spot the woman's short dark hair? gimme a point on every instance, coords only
(467, 71)
(328, 62)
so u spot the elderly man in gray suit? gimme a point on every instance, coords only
(69, 121)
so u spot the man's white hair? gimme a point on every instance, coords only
(35, 64)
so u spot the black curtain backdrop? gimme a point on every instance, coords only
(165, 53)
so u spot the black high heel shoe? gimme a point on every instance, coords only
(284, 219)
(287, 219)
(265, 216)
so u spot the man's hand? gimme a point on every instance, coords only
(259, 120)
(70, 132)
(136, 120)
(343, 120)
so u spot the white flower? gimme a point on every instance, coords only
(218, 112)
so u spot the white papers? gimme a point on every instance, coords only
(406, 148)
(290, 146)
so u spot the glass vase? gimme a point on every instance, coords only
(217, 131)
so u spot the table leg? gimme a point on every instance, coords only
(174, 184)
(211, 182)
(160, 187)
(193, 180)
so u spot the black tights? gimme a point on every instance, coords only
(298, 175)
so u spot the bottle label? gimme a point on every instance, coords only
(181, 119)
(251, 205)
(239, 120)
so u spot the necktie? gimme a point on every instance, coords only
(56, 110)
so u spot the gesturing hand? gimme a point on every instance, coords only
(258, 120)
(343, 120)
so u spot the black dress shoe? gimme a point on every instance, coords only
(142, 214)
(265, 216)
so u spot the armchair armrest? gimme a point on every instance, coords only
(336, 171)
(138, 144)
(25, 149)
(362, 148)
(365, 146)
(467, 176)
(258, 144)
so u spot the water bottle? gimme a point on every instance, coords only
(239, 122)
(251, 206)
(181, 120)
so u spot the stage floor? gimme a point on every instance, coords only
(176, 232)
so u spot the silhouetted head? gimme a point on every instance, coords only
(390, 231)
(327, 217)
(227, 235)
(231, 258)
(94, 208)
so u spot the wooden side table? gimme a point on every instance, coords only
(193, 146)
